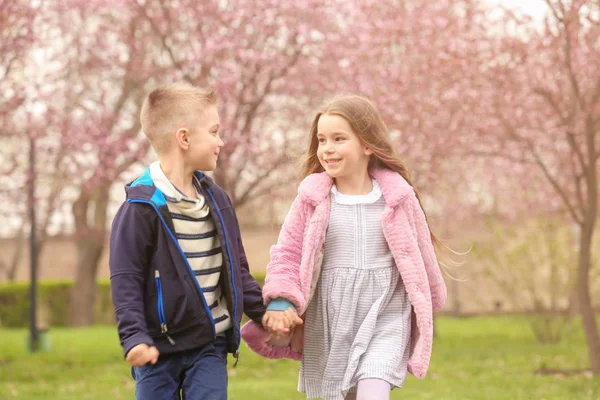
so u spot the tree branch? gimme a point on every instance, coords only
(546, 95)
(573, 145)
(163, 40)
(498, 154)
(546, 171)
(569, 61)
(253, 188)
(578, 178)
(554, 182)
(596, 94)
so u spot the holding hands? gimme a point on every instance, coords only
(281, 323)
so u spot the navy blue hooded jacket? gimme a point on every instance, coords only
(167, 309)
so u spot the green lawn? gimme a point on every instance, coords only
(479, 358)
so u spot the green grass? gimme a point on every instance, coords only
(479, 358)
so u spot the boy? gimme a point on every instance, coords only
(179, 274)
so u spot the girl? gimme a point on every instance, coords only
(355, 258)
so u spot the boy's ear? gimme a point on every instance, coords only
(182, 137)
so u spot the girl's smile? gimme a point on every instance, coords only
(340, 151)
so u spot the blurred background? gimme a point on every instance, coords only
(493, 104)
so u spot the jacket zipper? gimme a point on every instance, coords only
(161, 309)
(235, 323)
(200, 291)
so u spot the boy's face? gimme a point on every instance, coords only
(205, 141)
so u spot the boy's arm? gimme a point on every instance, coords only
(253, 301)
(130, 244)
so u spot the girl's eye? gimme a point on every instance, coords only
(339, 139)
(321, 141)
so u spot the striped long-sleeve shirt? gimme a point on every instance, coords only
(197, 235)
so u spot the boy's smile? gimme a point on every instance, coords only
(205, 141)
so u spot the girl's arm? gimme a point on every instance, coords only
(283, 272)
(432, 267)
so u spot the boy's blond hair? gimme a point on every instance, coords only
(169, 108)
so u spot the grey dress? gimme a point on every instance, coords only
(358, 321)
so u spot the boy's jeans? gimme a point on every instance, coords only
(199, 374)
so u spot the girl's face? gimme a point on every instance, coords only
(340, 151)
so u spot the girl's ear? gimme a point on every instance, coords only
(368, 151)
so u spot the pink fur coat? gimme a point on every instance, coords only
(296, 260)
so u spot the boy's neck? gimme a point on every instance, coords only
(180, 176)
(354, 185)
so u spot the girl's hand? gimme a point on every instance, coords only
(281, 323)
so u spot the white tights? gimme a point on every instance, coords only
(371, 389)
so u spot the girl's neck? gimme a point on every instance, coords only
(179, 176)
(354, 185)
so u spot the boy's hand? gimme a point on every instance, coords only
(142, 354)
(281, 323)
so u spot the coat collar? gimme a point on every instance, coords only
(315, 188)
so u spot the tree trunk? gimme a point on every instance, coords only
(89, 211)
(456, 298)
(83, 293)
(586, 309)
(11, 271)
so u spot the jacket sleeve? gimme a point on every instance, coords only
(253, 304)
(283, 271)
(432, 267)
(130, 245)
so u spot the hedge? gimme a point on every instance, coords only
(53, 303)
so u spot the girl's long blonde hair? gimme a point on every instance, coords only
(366, 122)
